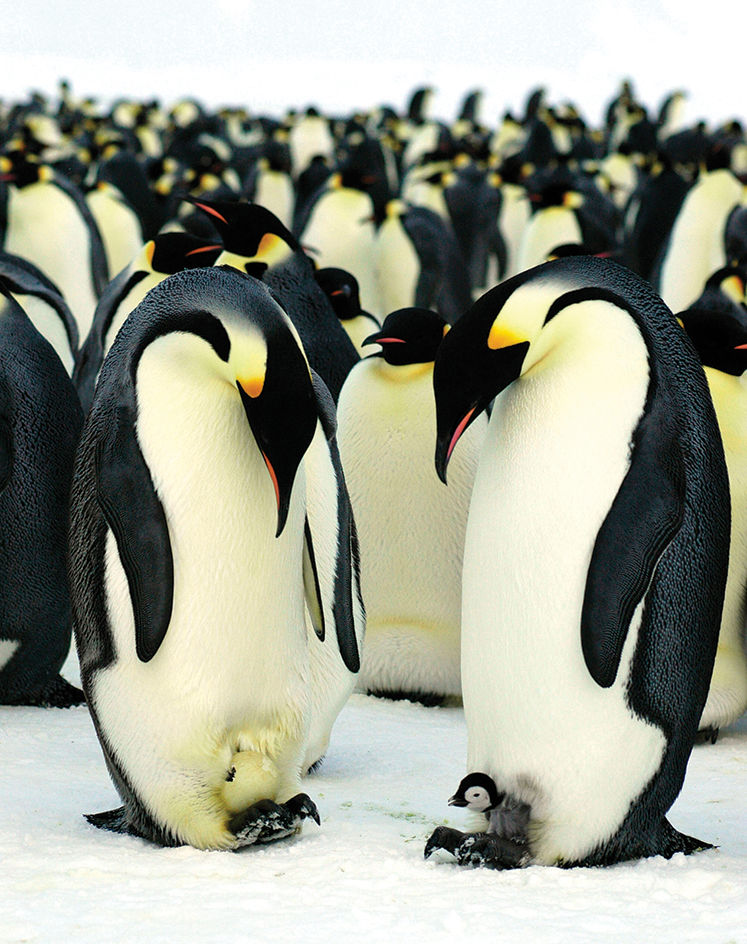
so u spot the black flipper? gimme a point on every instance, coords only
(311, 584)
(56, 693)
(347, 574)
(133, 511)
(6, 442)
(645, 516)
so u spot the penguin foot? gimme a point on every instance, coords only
(427, 699)
(56, 693)
(707, 736)
(478, 850)
(267, 821)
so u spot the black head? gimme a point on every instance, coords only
(478, 793)
(173, 252)
(246, 229)
(410, 336)
(341, 288)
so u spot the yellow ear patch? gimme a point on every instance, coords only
(501, 336)
(268, 242)
(252, 386)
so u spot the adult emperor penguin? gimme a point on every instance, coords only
(411, 528)
(50, 224)
(118, 225)
(40, 422)
(341, 231)
(255, 241)
(43, 303)
(341, 288)
(696, 246)
(208, 511)
(160, 257)
(595, 557)
(717, 326)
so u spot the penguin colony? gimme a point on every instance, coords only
(237, 354)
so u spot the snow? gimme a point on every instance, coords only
(359, 877)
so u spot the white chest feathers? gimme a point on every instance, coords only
(411, 527)
(557, 449)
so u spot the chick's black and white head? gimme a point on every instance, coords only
(478, 793)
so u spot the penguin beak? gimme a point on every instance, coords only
(379, 338)
(465, 381)
(457, 801)
(283, 420)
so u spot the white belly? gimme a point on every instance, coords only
(232, 672)
(556, 452)
(546, 230)
(696, 246)
(411, 527)
(341, 233)
(45, 227)
(727, 697)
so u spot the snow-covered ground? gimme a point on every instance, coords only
(361, 876)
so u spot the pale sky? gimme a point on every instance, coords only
(342, 55)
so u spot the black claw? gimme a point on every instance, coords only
(267, 821)
(443, 837)
(707, 736)
(478, 850)
(302, 806)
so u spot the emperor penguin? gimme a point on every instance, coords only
(595, 558)
(340, 231)
(718, 329)
(696, 246)
(341, 288)
(208, 515)
(43, 303)
(50, 224)
(118, 224)
(411, 528)
(40, 423)
(419, 263)
(256, 242)
(160, 257)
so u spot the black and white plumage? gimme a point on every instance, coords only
(255, 241)
(50, 225)
(411, 528)
(213, 566)
(160, 257)
(43, 303)
(595, 557)
(40, 422)
(717, 326)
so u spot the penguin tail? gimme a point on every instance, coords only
(113, 820)
(55, 693)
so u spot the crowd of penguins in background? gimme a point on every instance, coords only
(218, 427)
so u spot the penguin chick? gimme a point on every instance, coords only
(478, 793)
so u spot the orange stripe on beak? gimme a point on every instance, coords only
(458, 432)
